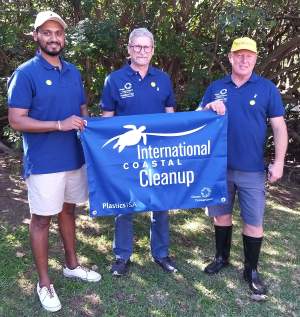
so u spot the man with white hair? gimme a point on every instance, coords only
(138, 88)
(46, 103)
(250, 100)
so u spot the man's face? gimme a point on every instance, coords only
(51, 38)
(141, 51)
(242, 62)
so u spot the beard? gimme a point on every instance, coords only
(51, 52)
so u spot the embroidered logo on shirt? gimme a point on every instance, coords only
(128, 86)
(126, 91)
(221, 95)
(48, 82)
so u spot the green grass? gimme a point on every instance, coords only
(147, 290)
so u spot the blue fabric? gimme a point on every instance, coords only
(120, 178)
(249, 107)
(49, 95)
(250, 188)
(155, 161)
(159, 235)
(126, 93)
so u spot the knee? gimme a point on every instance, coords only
(40, 222)
(68, 209)
(223, 220)
(253, 231)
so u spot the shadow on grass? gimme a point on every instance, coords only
(147, 290)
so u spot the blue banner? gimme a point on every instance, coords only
(155, 162)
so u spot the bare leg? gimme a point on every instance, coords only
(253, 231)
(66, 222)
(223, 220)
(39, 234)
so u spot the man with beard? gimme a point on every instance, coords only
(46, 101)
(139, 88)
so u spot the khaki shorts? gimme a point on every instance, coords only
(48, 192)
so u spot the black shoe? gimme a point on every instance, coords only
(167, 264)
(120, 267)
(255, 282)
(215, 266)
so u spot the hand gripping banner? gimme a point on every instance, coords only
(155, 162)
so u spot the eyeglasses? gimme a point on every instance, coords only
(138, 48)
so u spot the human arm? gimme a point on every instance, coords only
(107, 114)
(217, 106)
(84, 111)
(209, 102)
(169, 109)
(280, 136)
(19, 120)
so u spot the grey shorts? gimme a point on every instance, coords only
(250, 190)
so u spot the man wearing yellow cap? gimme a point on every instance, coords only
(46, 103)
(249, 100)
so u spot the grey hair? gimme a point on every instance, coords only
(139, 32)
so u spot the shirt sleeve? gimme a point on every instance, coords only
(275, 107)
(107, 101)
(20, 90)
(207, 98)
(82, 92)
(170, 101)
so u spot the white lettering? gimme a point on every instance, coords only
(149, 178)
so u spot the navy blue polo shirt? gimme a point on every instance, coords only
(126, 93)
(49, 94)
(249, 107)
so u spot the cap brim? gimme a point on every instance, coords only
(244, 48)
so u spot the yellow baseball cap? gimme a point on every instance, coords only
(244, 43)
(45, 16)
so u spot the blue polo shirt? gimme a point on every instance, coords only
(127, 93)
(49, 94)
(249, 107)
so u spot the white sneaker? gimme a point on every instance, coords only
(82, 273)
(48, 298)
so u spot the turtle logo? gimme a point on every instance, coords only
(134, 136)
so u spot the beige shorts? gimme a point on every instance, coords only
(48, 192)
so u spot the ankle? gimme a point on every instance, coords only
(71, 262)
(44, 283)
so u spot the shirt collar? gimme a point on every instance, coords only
(253, 78)
(130, 71)
(49, 66)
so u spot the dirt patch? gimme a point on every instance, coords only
(287, 191)
(14, 208)
(285, 194)
(13, 194)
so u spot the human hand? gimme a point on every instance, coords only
(217, 106)
(275, 171)
(72, 123)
